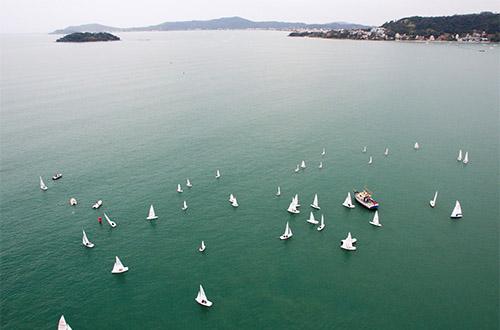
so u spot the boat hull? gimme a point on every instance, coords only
(119, 271)
(369, 204)
(321, 227)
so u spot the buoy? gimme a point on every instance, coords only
(99, 219)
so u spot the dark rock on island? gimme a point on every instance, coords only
(88, 37)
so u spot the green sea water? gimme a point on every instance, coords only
(126, 121)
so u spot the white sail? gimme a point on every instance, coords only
(296, 198)
(235, 202)
(184, 206)
(364, 149)
(297, 169)
(85, 241)
(457, 211)
(42, 184)
(111, 223)
(202, 246)
(278, 193)
(322, 223)
(348, 201)
(320, 165)
(416, 146)
(375, 220)
(188, 183)
(466, 158)
(312, 220)
(315, 203)
(179, 189)
(231, 198)
(118, 267)
(370, 161)
(433, 201)
(459, 158)
(386, 152)
(323, 152)
(151, 215)
(62, 325)
(303, 164)
(202, 299)
(217, 174)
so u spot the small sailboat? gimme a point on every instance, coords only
(457, 211)
(111, 223)
(42, 185)
(321, 224)
(278, 193)
(433, 201)
(323, 152)
(118, 267)
(311, 219)
(303, 164)
(297, 169)
(364, 149)
(85, 241)
(292, 208)
(62, 325)
(348, 201)
(72, 201)
(466, 158)
(287, 234)
(459, 158)
(375, 221)
(416, 146)
(184, 206)
(202, 299)
(347, 243)
(179, 188)
(370, 161)
(320, 165)
(231, 198)
(97, 204)
(188, 183)
(151, 214)
(217, 174)
(315, 204)
(202, 246)
(234, 203)
(386, 152)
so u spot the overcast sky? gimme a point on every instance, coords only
(48, 15)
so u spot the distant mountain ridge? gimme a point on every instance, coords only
(225, 23)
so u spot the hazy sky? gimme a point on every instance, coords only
(48, 15)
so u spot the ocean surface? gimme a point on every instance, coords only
(127, 121)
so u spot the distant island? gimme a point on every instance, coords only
(225, 23)
(483, 27)
(88, 37)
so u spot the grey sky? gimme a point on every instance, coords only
(48, 15)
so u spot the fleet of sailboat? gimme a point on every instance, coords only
(288, 232)
(42, 185)
(111, 223)
(433, 201)
(457, 210)
(315, 204)
(375, 221)
(151, 214)
(85, 240)
(202, 299)
(118, 267)
(348, 201)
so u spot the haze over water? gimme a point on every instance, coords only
(127, 121)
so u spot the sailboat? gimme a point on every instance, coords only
(292, 208)
(179, 189)
(217, 174)
(85, 241)
(202, 299)
(347, 243)
(386, 152)
(320, 165)
(315, 204)
(322, 223)
(62, 325)
(370, 161)
(184, 206)
(312, 220)
(457, 211)
(202, 246)
(303, 164)
(151, 215)
(118, 267)
(323, 152)
(375, 221)
(188, 183)
(111, 223)
(287, 234)
(231, 198)
(97, 204)
(466, 158)
(433, 201)
(234, 203)
(278, 193)
(297, 169)
(459, 158)
(416, 146)
(348, 201)
(364, 149)
(42, 185)
(72, 201)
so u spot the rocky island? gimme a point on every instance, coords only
(88, 37)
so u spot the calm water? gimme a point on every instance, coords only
(126, 121)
